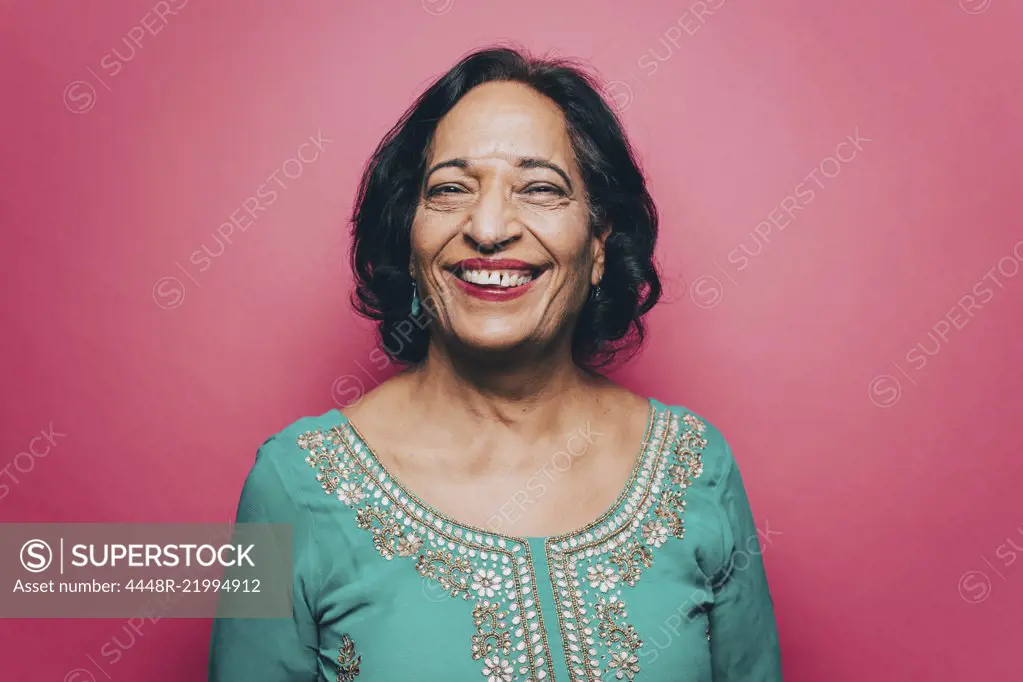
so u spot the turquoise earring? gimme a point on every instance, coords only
(416, 305)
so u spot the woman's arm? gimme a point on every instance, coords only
(281, 649)
(743, 634)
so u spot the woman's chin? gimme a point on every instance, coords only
(481, 343)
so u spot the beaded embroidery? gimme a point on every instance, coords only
(472, 564)
(347, 661)
(591, 569)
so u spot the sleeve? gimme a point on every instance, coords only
(271, 649)
(743, 633)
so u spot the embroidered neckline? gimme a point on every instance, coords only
(496, 575)
(384, 474)
(592, 570)
(613, 557)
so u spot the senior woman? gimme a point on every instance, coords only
(499, 510)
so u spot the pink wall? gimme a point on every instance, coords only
(859, 346)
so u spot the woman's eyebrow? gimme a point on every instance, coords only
(450, 163)
(524, 162)
(535, 162)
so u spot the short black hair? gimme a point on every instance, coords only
(610, 325)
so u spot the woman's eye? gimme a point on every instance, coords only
(445, 189)
(544, 189)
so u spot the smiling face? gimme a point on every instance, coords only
(501, 239)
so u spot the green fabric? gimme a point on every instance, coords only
(667, 586)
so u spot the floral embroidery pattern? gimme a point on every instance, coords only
(351, 493)
(497, 670)
(347, 661)
(655, 533)
(388, 537)
(492, 637)
(591, 569)
(485, 582)
(601, 577)
(630, 560)
(450, 571)
(494, 572)
(613, 628)
(613, 552)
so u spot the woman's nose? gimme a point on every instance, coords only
(494, 220)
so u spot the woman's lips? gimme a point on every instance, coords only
(496, 292)
(495, 264)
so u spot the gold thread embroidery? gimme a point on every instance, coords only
(630, 559)
(614, 550)
(614, 628)
(450, 571)
(612, 555)
(399, 527)
(491, 632)
(348, 661)
(669, 507)
(388, 538)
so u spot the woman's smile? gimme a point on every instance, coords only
(495, 279)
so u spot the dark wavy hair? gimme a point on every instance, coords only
(610, 325)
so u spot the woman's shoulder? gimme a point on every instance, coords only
(286, 449)
(700, 436)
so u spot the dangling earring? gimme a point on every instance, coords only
(416, 305)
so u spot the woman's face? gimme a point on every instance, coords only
(501, 241)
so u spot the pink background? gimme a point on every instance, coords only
(877, 424)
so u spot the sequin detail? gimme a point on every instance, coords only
(494, 573)
(593, 569)
(348, 661)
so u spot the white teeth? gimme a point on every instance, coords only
(499, 278)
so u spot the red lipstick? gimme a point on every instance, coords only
(494, 292)
(494, 264)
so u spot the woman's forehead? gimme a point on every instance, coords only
(503, 122)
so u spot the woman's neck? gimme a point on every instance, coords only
(503, 388)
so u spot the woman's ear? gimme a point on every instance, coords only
(600, 236)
